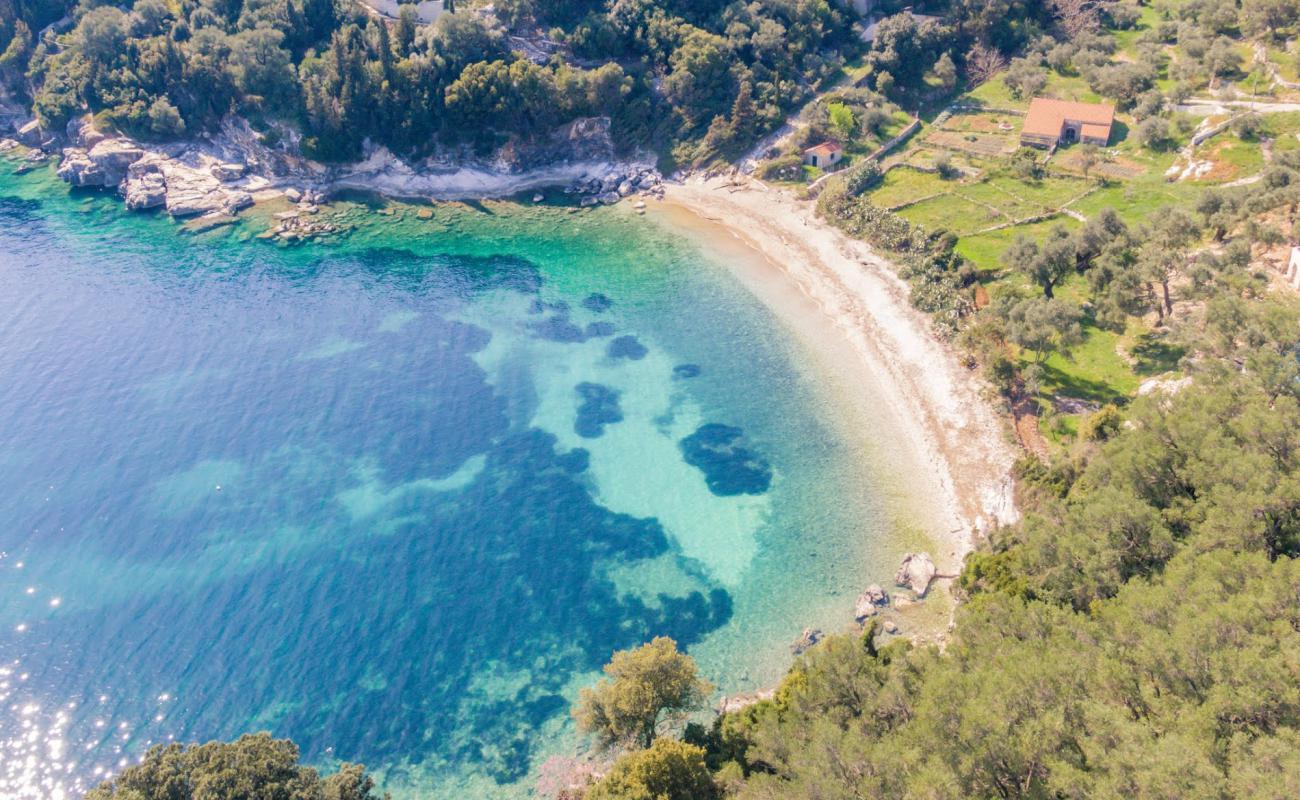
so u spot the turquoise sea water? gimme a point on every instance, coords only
(397, 496)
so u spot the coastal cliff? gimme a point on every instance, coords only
(222, 173)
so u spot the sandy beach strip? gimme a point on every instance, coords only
(953, 426)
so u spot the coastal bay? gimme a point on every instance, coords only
(288, 440)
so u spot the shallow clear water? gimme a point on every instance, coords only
(399, 496)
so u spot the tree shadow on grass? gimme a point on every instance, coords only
(1118, 133)
(1154, 355)
(1079, 387)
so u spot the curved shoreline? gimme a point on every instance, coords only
(956, 432)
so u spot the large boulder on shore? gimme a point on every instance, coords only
(81, 132)
(78, 170)
(870, 602)
(115, 156)
(144, 187)
(30, 134)
(191, 192)
(916, 572)
(228, 172)
(105, 164)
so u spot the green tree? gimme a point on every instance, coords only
(1024, 78)
(1164, 252)
(1088, 158)
(164, 120)
(841, 120)
(643, 685)
(700, 82)
(744, 119)
(946, 71)
(1044, 326)
(263, 69)
(253, 766)
(667, 770)
(1045, 265)
(404, 37)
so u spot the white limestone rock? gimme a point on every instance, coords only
(916, 572)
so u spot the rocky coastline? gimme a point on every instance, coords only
(217, 176)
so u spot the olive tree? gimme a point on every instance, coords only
(643, 685)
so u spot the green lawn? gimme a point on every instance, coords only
(902, 185)
(1126, 41)
(985, 250)
(1136, 200)
(1005, 198)
(951, 212)
(1246, 157)
(1285, 62)
(1097, 371)
(1049, 192)
(1094, 370)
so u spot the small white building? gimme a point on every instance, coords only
(824, 155)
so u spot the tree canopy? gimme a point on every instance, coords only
(642, 686)
(253, 767)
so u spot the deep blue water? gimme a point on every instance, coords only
(389, 497)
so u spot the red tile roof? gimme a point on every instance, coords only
(824, 149)
(1046, 116)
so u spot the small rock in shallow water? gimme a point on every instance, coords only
(807, 639)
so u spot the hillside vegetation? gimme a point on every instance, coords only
(680, 76)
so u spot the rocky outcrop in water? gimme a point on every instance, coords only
(105, 164)
(191, 192)
(144, 187)
(30, 134)
(806, 640)
(185, 178)
(221, 173)
(615, 186)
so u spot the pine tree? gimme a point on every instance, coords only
(743, 115)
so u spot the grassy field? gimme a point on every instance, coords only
(984, 191)
(952, 212)
(904, 185)
(985, 250)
